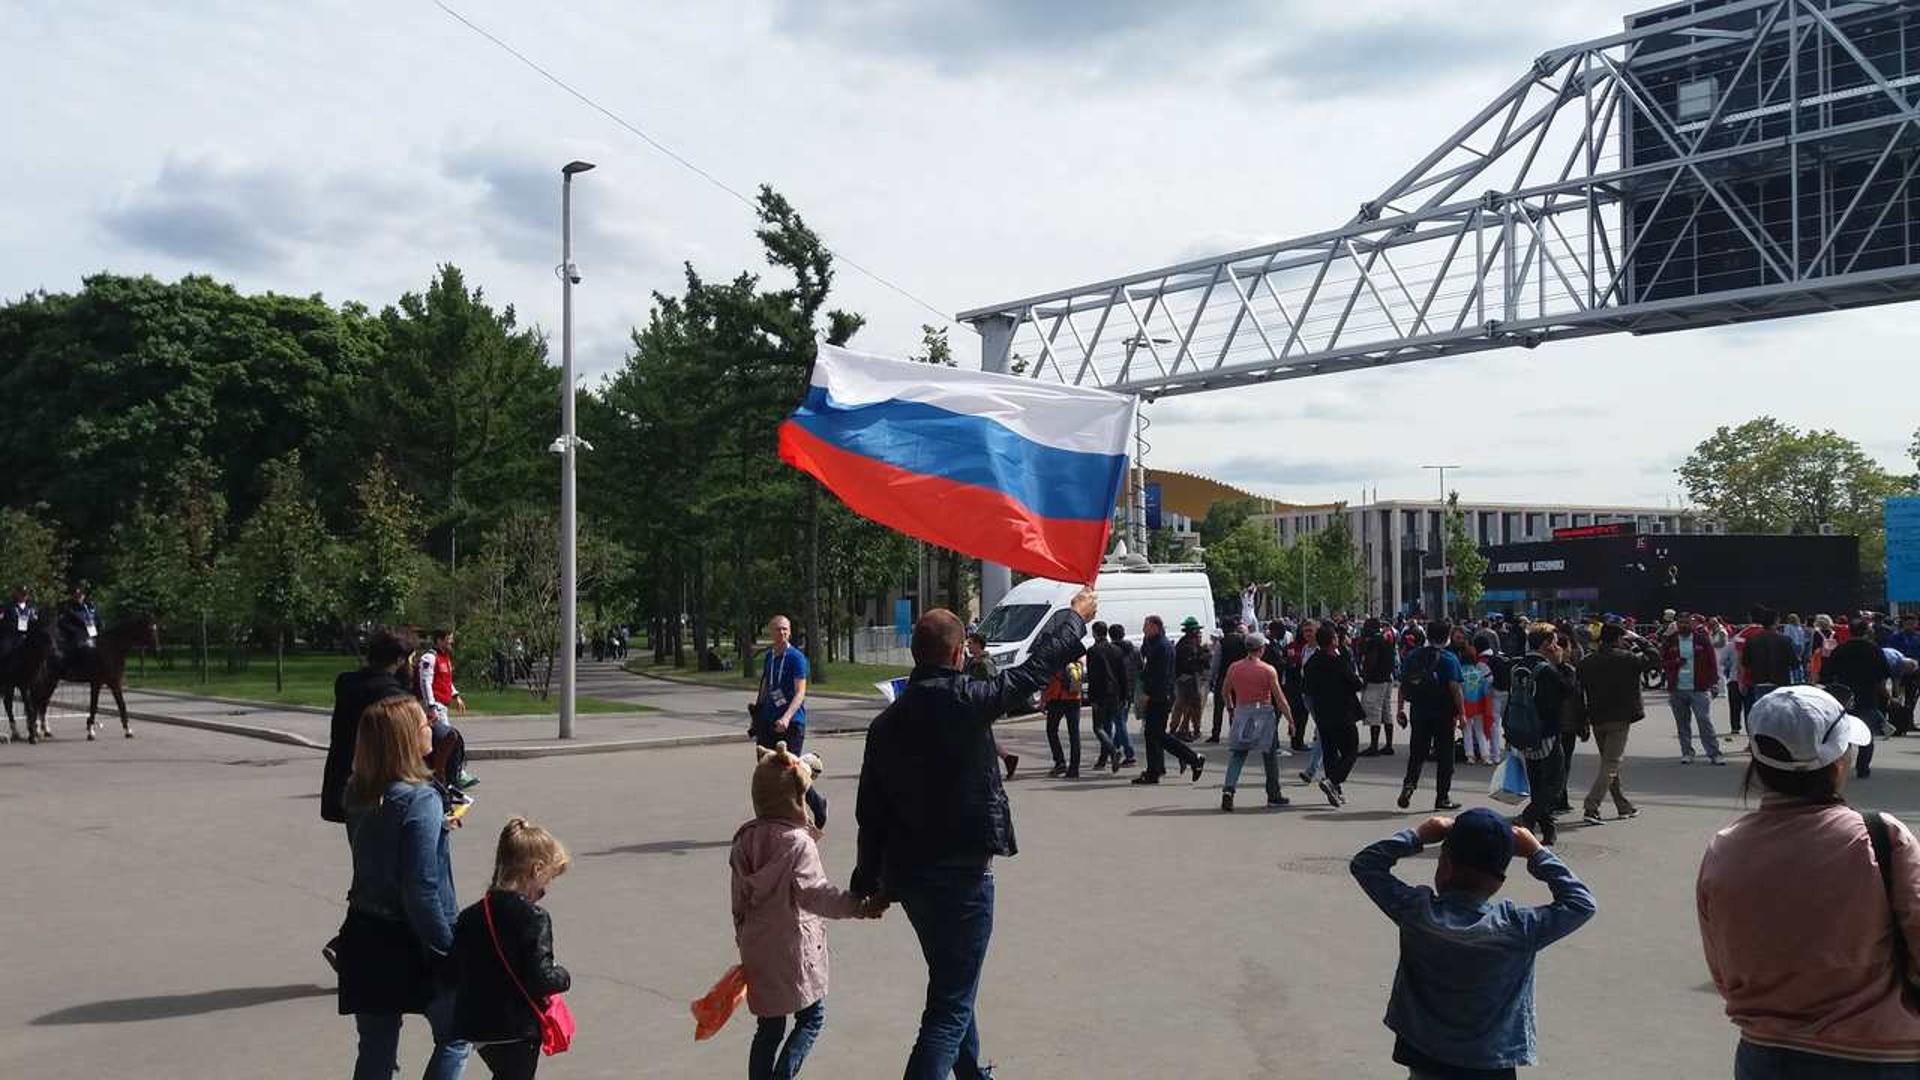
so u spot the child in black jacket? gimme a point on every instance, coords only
(516, 945)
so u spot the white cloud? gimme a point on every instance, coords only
(971, 152)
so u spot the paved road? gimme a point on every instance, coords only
(165, 899)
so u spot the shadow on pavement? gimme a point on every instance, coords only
(660, 847)
(174, 1006)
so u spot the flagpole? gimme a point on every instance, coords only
(996, 348)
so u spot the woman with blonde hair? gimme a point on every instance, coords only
(401, 909)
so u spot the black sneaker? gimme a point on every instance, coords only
(1445, 804)
(1333, 799)
(1278, 800)
(1057, 770)
(1406, 798)
(1146, 778)
(1226, 802)
(1386, 751)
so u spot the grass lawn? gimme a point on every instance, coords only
(309, 681)
(841, 677)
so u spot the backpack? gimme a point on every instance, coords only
(1376, 665)
(1522, 725)
(1421, 683)
(412, 681)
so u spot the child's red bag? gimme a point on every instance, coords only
(711, 1013)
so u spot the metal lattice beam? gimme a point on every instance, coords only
(1714, 163)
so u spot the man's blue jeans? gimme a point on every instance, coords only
(1120, 738)
(380, 1043)
(951, 909)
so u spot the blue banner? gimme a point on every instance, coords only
(1903, 550)
(1153, 504)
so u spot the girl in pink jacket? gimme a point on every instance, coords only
(781, 901)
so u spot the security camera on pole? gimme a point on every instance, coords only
(567, 445)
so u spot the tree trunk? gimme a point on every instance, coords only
(815, 652)
(699, 609)
(279, 662)
(743, 613)
(203, 646)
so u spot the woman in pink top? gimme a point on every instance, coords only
(1251, 689)
(781, 901)
(1809, 933)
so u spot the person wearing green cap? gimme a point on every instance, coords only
(1462, 1002)
(1191, 660)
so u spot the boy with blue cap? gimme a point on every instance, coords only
(1462, 1004)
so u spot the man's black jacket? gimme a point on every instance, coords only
(1156, 675)
(353, 691)
(1106, 677)
(930, 780)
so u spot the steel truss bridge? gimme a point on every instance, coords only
(1719, 161)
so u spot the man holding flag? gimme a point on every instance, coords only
(1013, 470)
(933, 815)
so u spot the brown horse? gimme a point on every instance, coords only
(104, 664)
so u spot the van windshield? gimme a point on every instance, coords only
(1012, 622)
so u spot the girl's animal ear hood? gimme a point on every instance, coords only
(780, 784)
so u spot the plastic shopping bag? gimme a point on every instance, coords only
(711, 1013)
(1509, 784)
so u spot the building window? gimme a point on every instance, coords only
(1582, 520)
(1533, 526)
(1557, 521)
(1696, 98)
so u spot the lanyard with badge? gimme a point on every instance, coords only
(776, 697)
(20, 618)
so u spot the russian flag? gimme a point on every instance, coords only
(1007, 469)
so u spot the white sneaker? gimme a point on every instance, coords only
(1686, 759)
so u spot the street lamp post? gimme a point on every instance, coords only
(1442, 538)
(569, 448)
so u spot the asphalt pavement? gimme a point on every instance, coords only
(165, 899)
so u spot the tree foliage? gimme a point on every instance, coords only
(1466, 566)
(383, 558)
(284, 555)
(34, 556)
(1765, 476)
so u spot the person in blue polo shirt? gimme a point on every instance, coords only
(782, 704)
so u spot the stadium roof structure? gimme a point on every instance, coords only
(1716, 162)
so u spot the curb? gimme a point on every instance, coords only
(475, 753)
(745, 688)
(247, 731)
(181, 695)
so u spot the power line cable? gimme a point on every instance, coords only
(668, 151)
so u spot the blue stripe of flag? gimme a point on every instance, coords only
(926, 439)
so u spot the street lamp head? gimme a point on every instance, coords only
(572, 167)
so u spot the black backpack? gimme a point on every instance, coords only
(1523, 726)
(1377, 661)
(1421, 682)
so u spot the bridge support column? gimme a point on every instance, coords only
(996, 348)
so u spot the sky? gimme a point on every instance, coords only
(967, 151)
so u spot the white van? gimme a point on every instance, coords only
(1127, 596)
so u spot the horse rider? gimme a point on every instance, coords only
(79, 622)
(20, 614)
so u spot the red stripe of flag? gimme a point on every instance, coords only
(965, 517)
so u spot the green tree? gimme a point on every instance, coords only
(466, 410)
(34, 556)
(688, 462)
(149, 565)
(1340, 578)
(1765, 476)
(118, 389)
(1249, 553)
(283, 557)
(383, 558)
(1225, 516)
(1466, 567)
(516, 580)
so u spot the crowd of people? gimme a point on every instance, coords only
(1828, 998)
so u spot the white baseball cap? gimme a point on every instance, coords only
(1810, 723)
